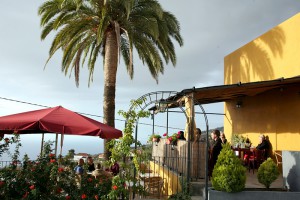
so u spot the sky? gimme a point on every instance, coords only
(211, 29)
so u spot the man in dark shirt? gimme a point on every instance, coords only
(263, 144)
(215, 149)
(91, 166)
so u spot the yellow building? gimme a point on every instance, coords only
(274, 112)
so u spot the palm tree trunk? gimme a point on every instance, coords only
(110, 73)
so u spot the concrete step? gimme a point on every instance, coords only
(197, 198)
(198, 188)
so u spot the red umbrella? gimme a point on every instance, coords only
(56, 120)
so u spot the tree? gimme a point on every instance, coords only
(71, 153)
(87, 28)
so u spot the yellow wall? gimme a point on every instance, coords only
(276, 114)
(171, 182)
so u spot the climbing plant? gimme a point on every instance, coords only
(122, 149)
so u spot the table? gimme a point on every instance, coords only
(240, 152)
(148, 175)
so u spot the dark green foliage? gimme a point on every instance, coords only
(229, 174)
(267, 172)
(180, 196)
(45, 179)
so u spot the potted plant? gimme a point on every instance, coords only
(229, 174)
(267, 173)
(228, 180)
(238, 140)
(154, 138)
(172, 139)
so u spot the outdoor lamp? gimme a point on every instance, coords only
(162, 105)
(238, 104)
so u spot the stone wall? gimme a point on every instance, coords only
(175, 157)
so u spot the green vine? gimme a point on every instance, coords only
(122, 149)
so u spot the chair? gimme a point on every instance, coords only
(153, 187)
(256, 158)
(278, 156)
(144, 168)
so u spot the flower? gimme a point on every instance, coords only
(52, 160)
(173, 138)
(68, 197)
(51, 155)
(90, 179)
(114, 187)
(58, 190)
(32, 187)
(25, 195)
(165, 134)
(83, 196)
(2, 183)
(60, 169)
(96, 197)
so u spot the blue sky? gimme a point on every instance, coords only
(211, 29)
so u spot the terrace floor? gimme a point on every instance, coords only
(252, 181)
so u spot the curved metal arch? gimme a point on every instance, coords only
(155, 97)
(148, 99)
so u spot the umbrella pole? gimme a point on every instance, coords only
(42, 144)
(61, 145)
(56, 138)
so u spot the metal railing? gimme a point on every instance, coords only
(4, 164)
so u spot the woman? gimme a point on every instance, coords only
(223, 138)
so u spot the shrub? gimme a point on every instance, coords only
(267, 172)
(229, 174)
(45, 179)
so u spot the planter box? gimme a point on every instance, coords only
(253, 194)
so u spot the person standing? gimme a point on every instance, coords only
(79, 172)
(223, 138)
(198, 135)
(115, 168)
(216, 147)
(79, 168)
(91, 165)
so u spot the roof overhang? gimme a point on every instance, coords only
(223, 93)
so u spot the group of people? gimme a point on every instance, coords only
(263, 144)
(95, 170)
(218, 138)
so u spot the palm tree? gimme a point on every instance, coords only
(86, 28)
